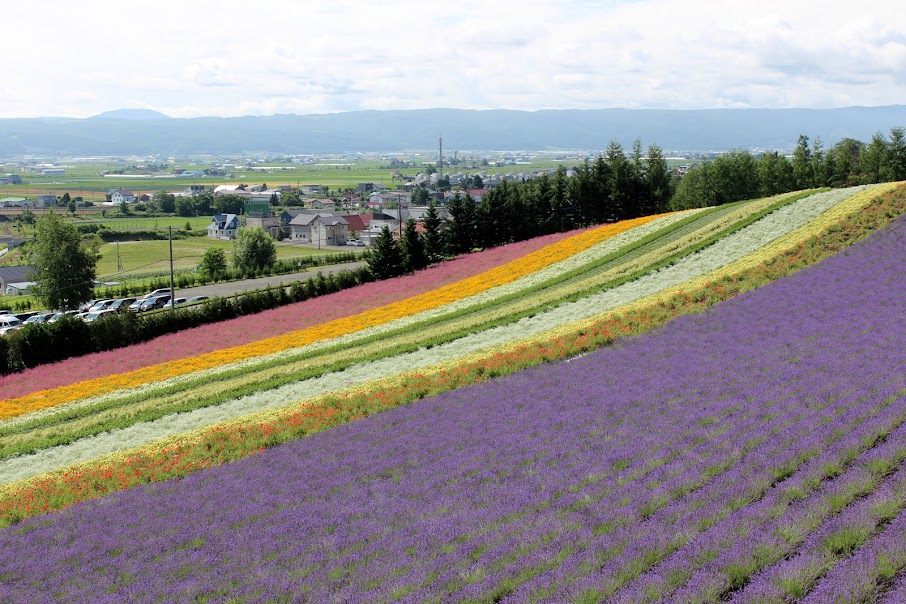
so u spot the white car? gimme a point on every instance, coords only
(94, 316)
(10, 329)
(10, 321)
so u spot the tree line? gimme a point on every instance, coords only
(740, 175)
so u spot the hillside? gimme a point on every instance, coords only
(117, 133)
(714, 458)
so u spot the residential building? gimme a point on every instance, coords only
(118, 196)
(320, 229)
(223, 226)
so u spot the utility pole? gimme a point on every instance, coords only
(119, 261)
(172, 290)
(440, 158)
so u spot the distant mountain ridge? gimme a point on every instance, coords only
(143, 132)
(132, 114)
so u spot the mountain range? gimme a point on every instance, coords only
(142, 132)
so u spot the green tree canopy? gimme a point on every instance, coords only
(254, 250)
(165, 201)
(213, 263)
(64, 264)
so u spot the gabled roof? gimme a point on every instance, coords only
(15, 274)
(327, 219)
(225, 221)
(355, 222)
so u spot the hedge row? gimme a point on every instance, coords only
(41, 343)
(141, 283)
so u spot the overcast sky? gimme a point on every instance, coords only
(198, 57)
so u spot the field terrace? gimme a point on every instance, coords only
(752, 452)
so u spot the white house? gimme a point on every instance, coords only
(223, 226)
(323, 230)
(119, 196)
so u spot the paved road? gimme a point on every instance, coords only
(235, 287)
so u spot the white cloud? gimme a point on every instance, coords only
(275, 56)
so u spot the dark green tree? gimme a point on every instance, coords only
(228, 204)
(460, 233)
(897, 154)
(385, 258)
(414, 257)
(165, 201)
(658, 183)
(875, 160)
(254, 251)
(803, 172)
(419, 196)
(434, 237)
(64, 265)
(185, 207)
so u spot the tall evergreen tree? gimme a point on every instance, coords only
(413, 248)
(385, 258)
(658, 182)
(460, 232)
(897, 154)
(434, 237)
(875, 161)
(803, 172)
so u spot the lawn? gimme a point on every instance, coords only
(187, 253)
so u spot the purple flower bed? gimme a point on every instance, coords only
(723, 451)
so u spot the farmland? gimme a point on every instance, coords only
(187, 253)
(751, 452)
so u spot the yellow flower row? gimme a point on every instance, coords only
(763, 254)
(444, 295)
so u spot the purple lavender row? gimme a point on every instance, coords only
(467, 495)
(896, 591)
(836, 538)
(715, 516)
(766, 539)
(858, 578)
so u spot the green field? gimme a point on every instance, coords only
(155, 255)
(139, 223)
(87, 181)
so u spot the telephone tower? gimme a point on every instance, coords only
(440, 158)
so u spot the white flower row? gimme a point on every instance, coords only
(583, 258)
(727, 250)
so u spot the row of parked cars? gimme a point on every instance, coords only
(96, 309)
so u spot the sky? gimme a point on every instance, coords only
(205, 58)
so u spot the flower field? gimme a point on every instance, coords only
(752, 453)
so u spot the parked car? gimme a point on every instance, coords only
(59, 315)
(101, 305)
(10, 329)
(95, 315)
(87, 305)
(25, 316)
(176, 302)
(136, 306)
(9, 321)
(153, 303)
(196, 299)
(355, 242)
(160, 292)
(41, 317)
(121, 304)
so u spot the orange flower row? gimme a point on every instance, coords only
(429, 300)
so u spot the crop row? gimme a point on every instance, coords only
(213, 445)
(289, 318)
(762, 422)
(261, 389)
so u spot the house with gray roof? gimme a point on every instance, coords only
(320, 229)
(223, 226)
